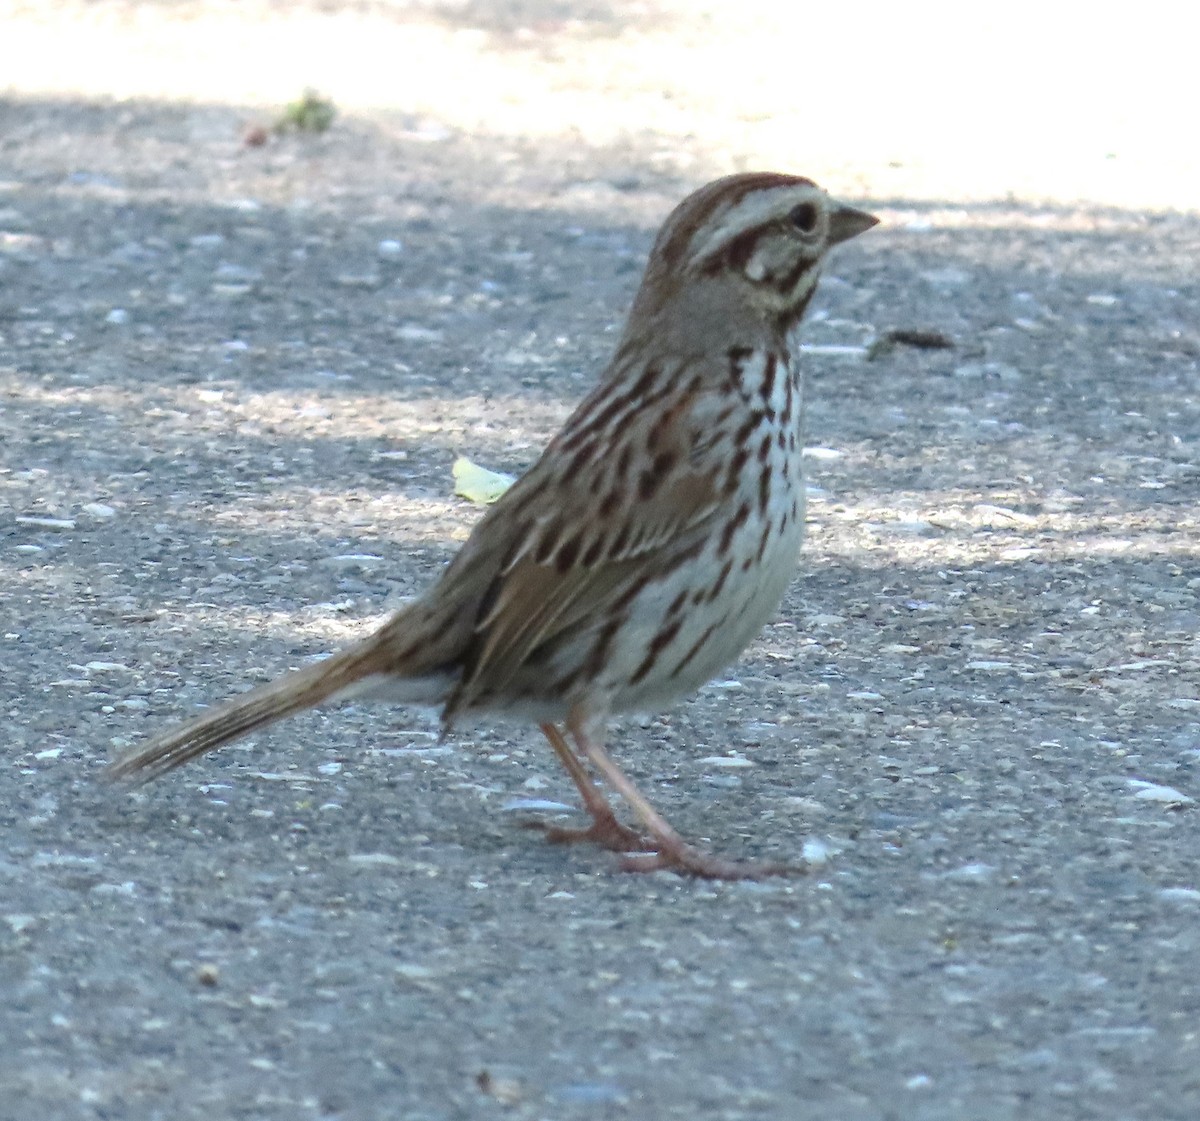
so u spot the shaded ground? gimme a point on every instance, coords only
(228, 413)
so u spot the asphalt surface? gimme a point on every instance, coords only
(232, 383)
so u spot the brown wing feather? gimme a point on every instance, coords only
(555, 579)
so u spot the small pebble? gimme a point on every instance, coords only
(1153, 792)
(345, 561)
(823, 453)
(373, 859)
(46, 523)
(538, 805)
(208, 974)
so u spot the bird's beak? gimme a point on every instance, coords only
(846, 222)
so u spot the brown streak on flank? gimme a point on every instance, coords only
(731, 527)
(764, 448)
(634, 590)
(599, 656)
(737, 363)
(735, 467)
(688, 554)
(624, 461)
(648, 483)
(697, 646)
(764, 488)
(715, 590)
(763, 542)
(658, 644)
(781, 439)
(743, 434)
(677, 603)
(563, 685)
(737, 370)
(768, 383)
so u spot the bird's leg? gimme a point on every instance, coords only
(670, 850)
(605, 829)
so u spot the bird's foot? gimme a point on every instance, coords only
(605, 831)
(685, 860)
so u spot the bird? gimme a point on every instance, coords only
(644, 549)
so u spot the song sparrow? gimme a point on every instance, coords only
(645, 548)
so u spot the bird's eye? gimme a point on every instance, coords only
(804, 217)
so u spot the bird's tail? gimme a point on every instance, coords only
(290, 694)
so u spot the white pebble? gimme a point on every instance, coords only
(834, 350)
(816, 851)
(540, 805)
(99, 510)
(1154, 792)
(238, 273)
(352, 560)
(415, 333)
(389, 247)
(46, 523)
(372, 859)
(118, 315)
(971, 873)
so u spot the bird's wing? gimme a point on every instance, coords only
(607, 506)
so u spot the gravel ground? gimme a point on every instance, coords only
(232, 383)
